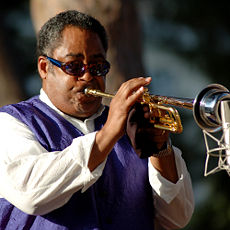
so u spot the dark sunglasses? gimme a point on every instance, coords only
(78, 69)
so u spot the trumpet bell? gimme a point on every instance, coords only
(206, 107)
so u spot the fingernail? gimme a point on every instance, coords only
(148, 79)
(141, 89)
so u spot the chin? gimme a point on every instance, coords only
(89, 109)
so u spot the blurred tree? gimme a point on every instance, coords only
(15, 64)
(209, 23)
(10, 90)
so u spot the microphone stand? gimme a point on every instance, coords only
(223, 143)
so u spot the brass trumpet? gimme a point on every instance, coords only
(206, 108)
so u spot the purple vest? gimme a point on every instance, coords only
(121, 199)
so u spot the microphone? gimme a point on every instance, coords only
(225, 117)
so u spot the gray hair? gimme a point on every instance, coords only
(50, 35)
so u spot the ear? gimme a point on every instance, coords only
(42, 67)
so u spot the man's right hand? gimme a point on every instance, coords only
(114, 128)
(125, 98)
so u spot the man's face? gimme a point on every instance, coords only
(66, 91)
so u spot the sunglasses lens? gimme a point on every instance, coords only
(78, 69)
(75, 68)
(99, 69)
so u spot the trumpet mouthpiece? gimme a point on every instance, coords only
(97, 93)
(86, 90)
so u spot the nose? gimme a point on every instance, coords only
(86, 76)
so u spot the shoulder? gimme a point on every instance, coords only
(22, 104)
(27, 109)
(11, 126)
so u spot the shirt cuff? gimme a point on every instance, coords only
(86, 145)
(92, 177)
(163, 187)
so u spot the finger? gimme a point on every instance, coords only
(133, 85)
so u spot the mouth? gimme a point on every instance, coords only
(87, 93)
(91, 91)
(80, 92)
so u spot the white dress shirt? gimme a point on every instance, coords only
(37, 181)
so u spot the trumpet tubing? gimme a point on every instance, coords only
(185, 103)
(169, 121)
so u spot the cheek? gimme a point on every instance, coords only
(101, 83)
(59, 87)
(65, 84)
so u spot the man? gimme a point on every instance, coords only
(65, 160)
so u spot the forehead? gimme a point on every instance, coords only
(80, 42)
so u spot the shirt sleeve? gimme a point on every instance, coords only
(174, 203)
(37, 181)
